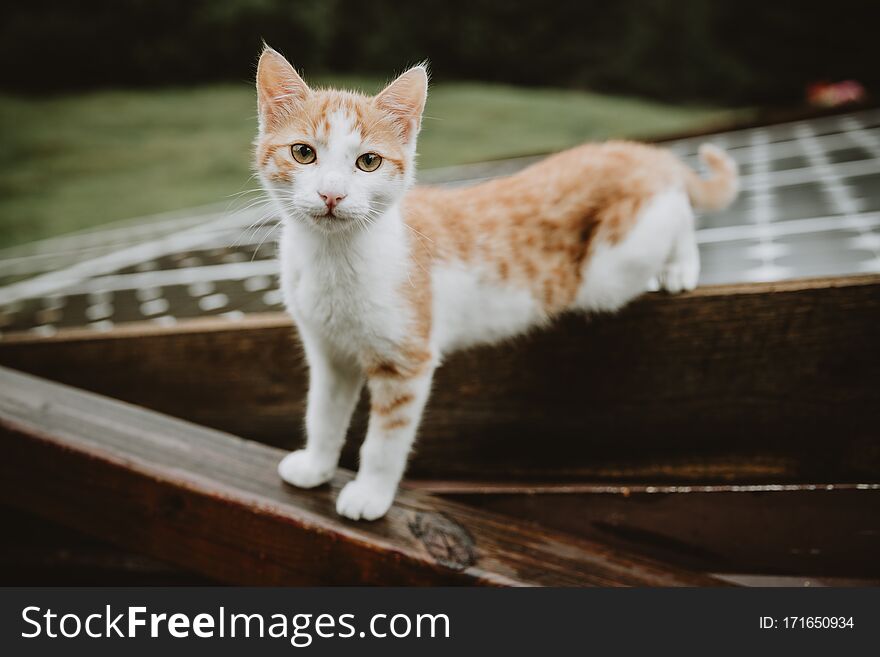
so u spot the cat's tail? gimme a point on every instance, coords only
(718, 190)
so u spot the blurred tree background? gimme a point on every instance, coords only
(744, 52)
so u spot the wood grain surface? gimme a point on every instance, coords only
(213, 504)
(796, 531)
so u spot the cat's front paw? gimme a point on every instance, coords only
(305, 470)
(365, 499)
(680, 276)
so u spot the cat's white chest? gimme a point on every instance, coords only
(350, 303)
(339, 309)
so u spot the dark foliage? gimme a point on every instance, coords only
(744, 51)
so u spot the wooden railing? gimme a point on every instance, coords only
(750, 383)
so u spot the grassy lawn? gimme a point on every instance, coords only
(73, 162)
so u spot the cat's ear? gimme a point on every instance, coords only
(405, 100)
(278, 87)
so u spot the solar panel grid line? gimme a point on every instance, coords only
(52, 258)
(761, 214)
(43, 262)
(781, 148)
(859, 135)
(832, 185)
(116, 233)
(44, 330)
(740, 136)
(803, 175)
(840, 194)
(864, 220)
(200, 282)
(63, 278)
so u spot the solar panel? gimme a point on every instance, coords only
(810, 206)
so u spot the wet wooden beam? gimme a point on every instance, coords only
(213, 504)
(822, 531)
(750, 383)
(38, 552)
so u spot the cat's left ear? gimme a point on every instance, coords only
(404, 99)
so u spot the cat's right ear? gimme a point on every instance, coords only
(279, 88)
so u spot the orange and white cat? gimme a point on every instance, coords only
(383, 279)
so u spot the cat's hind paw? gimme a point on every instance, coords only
(679, 276)
(305, 470)
(364, 500)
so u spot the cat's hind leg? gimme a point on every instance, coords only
(655, 247)
(681, 271)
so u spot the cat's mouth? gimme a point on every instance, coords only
(334, 215)
(330, 219)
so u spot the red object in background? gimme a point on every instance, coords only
(835, 94)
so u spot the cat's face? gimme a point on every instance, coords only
(335, 160)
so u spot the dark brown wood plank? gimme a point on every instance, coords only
(39, 552)
(213, 503)
(750, 383)
(794, 531)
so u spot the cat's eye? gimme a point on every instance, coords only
(303, 153)
(369, 162)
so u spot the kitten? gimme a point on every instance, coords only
(383, 281)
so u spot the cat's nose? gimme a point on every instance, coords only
(331, 199)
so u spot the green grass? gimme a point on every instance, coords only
(78, 161)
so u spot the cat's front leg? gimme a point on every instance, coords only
(334, 389)
(397, 397)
